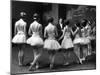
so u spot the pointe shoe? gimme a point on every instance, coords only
(31, 63)
(37, 66)
(81, 61)
(30, 68)
(51, 66)
(66, 63)
(20, 64)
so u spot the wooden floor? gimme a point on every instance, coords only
(15, 69)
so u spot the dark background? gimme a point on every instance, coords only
(65, 11)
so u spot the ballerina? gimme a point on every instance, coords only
(77, 40)
(88, 35)
(67, 45)
(35, 40)
(50, 43)
(20, 36)
(67, 41)
(93, 41)
(85, 41)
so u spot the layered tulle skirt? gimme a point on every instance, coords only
(91, 37)
(71, 57)
(67, 43)
(81, 40)
(51, 44)
(85, 40)
(19, 38)
(77, 41)
(35, 40)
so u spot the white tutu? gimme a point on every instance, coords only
(51, 44)
(91, 37)
(35, 40)
(67, 43)
(19, 37)
(85, 40)
(77, 40)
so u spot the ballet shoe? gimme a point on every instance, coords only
(51, 66)
(32, 68)
(66, 63)
(31, 63)
(81, 61)
(37, 67)
(20, 64)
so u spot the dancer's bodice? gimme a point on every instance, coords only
(20, 25)
(67, 32)
(35, 27)
(50, 30)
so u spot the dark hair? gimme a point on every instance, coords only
(66, 22)
(84, 22)
(50, 19)
(22, 15)
(78, 24)
(35, 16)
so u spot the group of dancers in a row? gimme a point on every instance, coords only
(81, 44)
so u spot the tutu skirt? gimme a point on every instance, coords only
(71, 57)
(51, 44)
(91, 37)
(77, 40)
(67, 43)
(85, 40)
(35, 40)
(19, 38)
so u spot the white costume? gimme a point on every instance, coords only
(50, 42)
(93, 33)
(67, 41)
(36, 29)
(20, 27)
(77, 39)
(84, 39)
(88, 35)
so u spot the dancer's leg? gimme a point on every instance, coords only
(89, 49)
(20, 55)
(52, 57)
(85, 51)
(36, 56)
(81, 53)
(77, 50)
